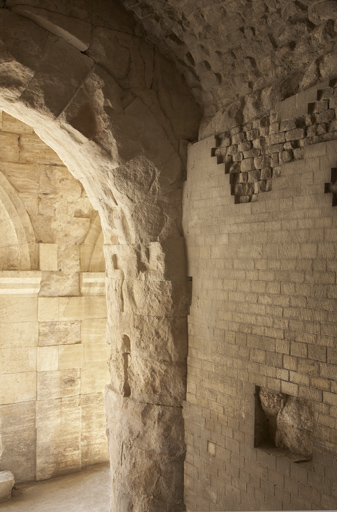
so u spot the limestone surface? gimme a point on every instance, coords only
(6, 484)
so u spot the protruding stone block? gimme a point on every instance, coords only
(6, 484)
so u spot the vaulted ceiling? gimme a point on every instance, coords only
(228, 49)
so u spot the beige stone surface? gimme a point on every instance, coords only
(74, 308)
(93, 331)
(9, 307)
(58, 439)
(12, 125)
(18, 432)
(136, 446)
(21, 176)
(20, 283)
(48, 309)
(6, 484)
(59, 333)
(17, 359)
(92, 283)
(10, 144)
(59, 283)
(58, 384)
(94, 353)
(48, 256)
(70, 356)
(19, 334)
(94, 378)
(18, 387)
(47, 359)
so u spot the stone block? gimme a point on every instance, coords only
(247, 164)
(12, 125)
(13, 309)
(9, 147)
(58, 427)
(58, 384)
(22, 176)
(18, 435)
(93, 420)
(74, 308)
(93, 331)
(164, 337)
(17, 359)
(6, 484)
(34, 150)
(295, 134)
(47, 359)
(95, 353)
(48, 308)
(94, 379)
(48, 256)
(70, 356)
(59, 284)
(18, 387)
(59, 333)
(19, 334)
(69, 258)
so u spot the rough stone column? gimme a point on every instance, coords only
(148, 335)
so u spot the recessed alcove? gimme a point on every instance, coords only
(283, 425)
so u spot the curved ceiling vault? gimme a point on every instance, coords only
(228, 49)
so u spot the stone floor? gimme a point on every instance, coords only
(88, 491)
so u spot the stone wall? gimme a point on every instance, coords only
(120, 117)
(53, 353)
(263, 317)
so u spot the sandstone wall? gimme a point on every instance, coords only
(53, 353)
(262, 325)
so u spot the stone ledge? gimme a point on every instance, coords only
(92, 283)
(20, 282)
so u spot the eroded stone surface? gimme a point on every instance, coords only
(148, 441)
(295, 427)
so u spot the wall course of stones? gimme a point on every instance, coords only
(262, 314)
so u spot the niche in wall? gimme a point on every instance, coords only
(283, 422)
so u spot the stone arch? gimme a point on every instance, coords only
(123, 135)
(18, 247)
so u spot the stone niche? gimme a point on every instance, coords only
(285, 423)
(53, 351)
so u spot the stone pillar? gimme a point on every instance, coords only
(147, 329)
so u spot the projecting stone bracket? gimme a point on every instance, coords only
(331, 188)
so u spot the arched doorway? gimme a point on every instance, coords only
(53, 352)
(124, 136)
